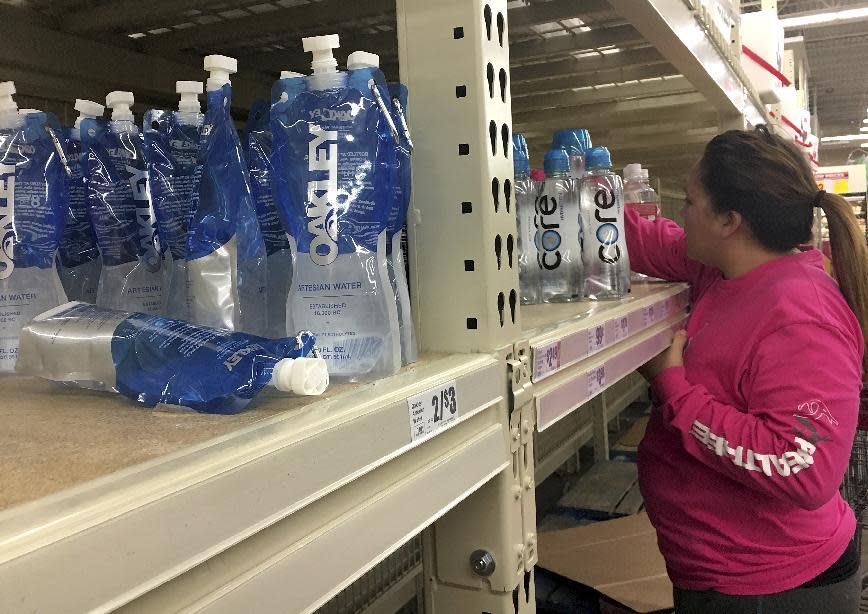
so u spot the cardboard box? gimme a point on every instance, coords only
(619, 558)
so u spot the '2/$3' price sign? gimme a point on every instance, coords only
(433, 410)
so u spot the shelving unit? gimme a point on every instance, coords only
(280, 508)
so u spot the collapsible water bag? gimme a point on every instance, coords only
(133, 270)
(278, 264)
(334, 175)
(152, 359)
(79, 262)
(32, 219)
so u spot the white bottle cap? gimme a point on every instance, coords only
(632, 171)
(190, 92)
(219, 68)
(362, 59)
(120, 103)
(7, 90)
(288, 74)
(301, 376)
(321, 47)
(87, 109)
(23, 112)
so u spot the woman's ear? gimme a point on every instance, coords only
(729, 223)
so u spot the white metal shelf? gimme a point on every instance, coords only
(328, 478)
(563, 334)
(580, 349)
(568, 390)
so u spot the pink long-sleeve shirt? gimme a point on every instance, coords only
(744, 455)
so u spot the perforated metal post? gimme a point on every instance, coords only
(454, 57)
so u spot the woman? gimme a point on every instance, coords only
(757, 402)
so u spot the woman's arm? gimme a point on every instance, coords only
(659, 249)
(794, 440)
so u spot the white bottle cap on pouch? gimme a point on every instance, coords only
(301, 376)
(190, 92)
(120, 103)
(87, 109)
(219, 68)
(322, 49)
(362, 59)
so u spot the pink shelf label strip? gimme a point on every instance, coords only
(552, 357)
(565, 399)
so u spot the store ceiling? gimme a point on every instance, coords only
(574, 61)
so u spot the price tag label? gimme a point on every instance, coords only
(622, 329)
(648, 315)
(433, 410)
(596, 380)
(546, 360)
(596, 339)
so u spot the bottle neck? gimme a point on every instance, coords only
(557, 175)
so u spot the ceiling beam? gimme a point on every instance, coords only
(386, 45)
(540, 48)
(605, 121)
(538, 12)
(617, 75)
(589, 64)
(302, 18)
(125, 14)
(643, 109)
(60, 54)
(611, 94)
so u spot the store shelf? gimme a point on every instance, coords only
(581, 349)
(567, 391)
(290, 484)
(563, 334)
(651, 80)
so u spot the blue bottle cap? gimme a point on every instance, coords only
(556, 161)
(584, 138)
(598, 157)
(576, 141)
(520, 156)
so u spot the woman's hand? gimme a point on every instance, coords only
(673, 356)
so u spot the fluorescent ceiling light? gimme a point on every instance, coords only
(865, 121)
(826, 17)
(842, 139)
(794, 39)
(863, 129)
(863, 144)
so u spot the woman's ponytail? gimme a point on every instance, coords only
(849, 256)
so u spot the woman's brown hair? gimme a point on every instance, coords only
(770, 183)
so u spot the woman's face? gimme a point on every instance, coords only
(700, 221)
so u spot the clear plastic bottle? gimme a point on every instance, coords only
(607, 264)
(576, 142)
(641, 197)
(638, 193)
(558, 240)
(528, 271)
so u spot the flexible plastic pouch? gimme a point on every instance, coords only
(78, 256)
(334, 176)
(152, 359)
(32, 218)
(133, 270)
(278, 265)
(223, 234)
(399, 272)
(174, 171)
